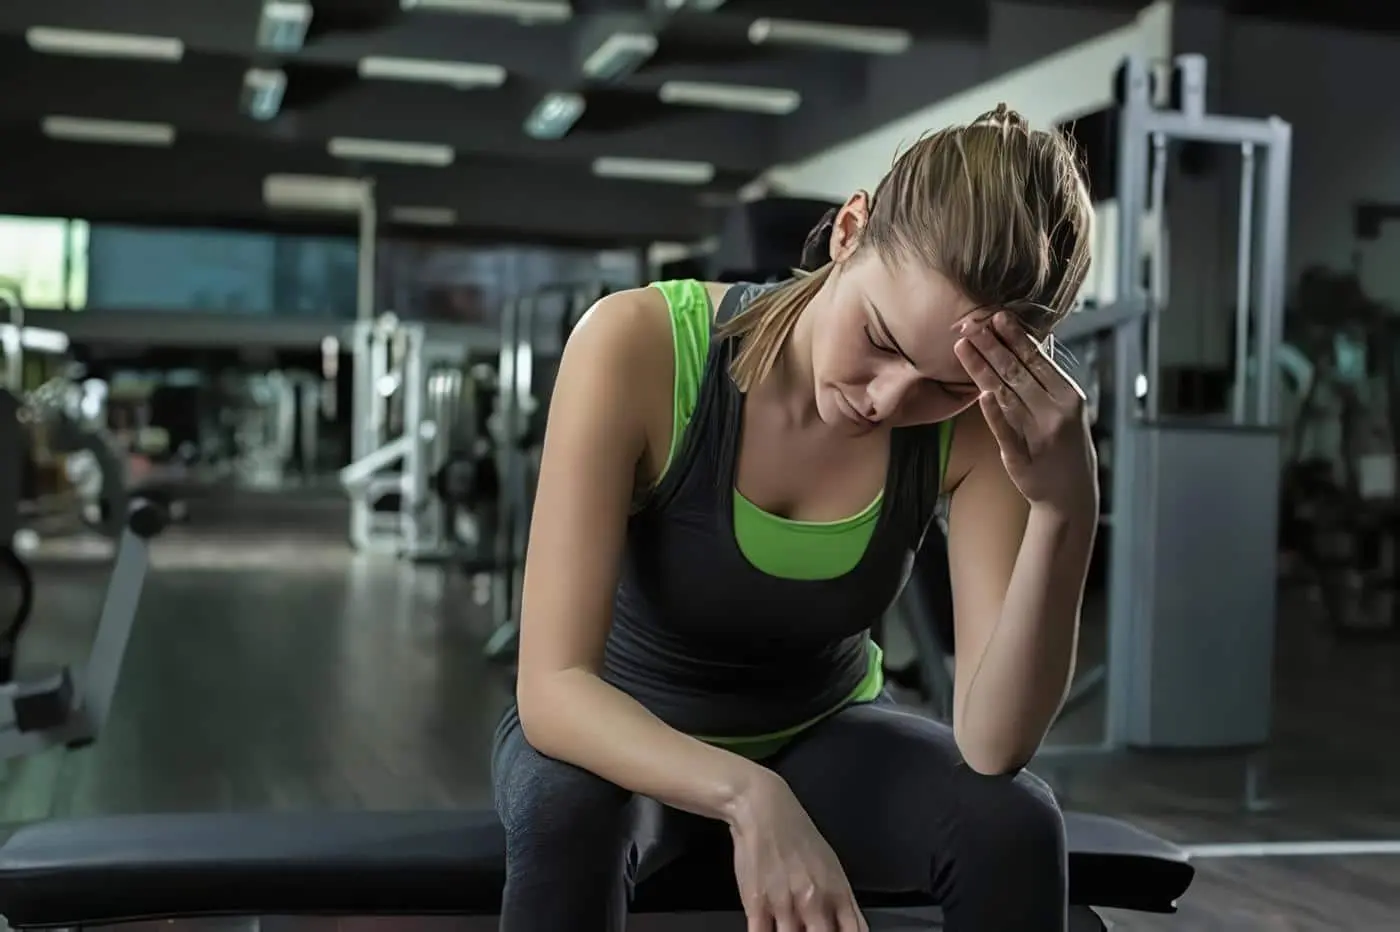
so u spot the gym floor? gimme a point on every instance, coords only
(272, 669)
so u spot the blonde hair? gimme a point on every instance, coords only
(1000, 209)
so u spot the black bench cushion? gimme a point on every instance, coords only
(401, 863)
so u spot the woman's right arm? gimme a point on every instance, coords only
(615, 367)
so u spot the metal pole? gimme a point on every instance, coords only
(1244, 274)
(369, 231)
(13, 345)
(1124, 581)
(1157, 299)
(1273, 265)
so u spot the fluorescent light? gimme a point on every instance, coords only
(619, 54)
(527, 11)
(120, 132)
(699, 6)
(53, 41)
(283, 25)
(315, 192)
(663, 170)
(462, 74)
(774, 100)
(263, 89)
(424, 216)
(554, 115)
(384, 150)
(872, 40)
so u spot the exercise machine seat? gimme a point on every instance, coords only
(123, 868)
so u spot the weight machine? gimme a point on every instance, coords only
(534, 330)
(401, 374)
(1192, 541)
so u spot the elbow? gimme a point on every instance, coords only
(990, 762)
(533, 705)
(994, 755)
(539, 697)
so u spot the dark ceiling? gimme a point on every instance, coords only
(482, 171)
(369, 72)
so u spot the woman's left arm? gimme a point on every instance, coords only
(1021, 528)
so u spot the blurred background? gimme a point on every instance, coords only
(298, 272)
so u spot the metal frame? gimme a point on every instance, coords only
(525, 337)
(94, 683)
(417, 529)
(1144, 134)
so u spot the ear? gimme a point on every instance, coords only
(849, 225)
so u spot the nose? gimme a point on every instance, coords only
(887, 391)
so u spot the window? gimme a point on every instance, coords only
(35, 255)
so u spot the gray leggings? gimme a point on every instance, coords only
(886, 788)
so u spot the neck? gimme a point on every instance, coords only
(792, 384)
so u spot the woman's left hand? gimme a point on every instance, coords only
(1035, 411)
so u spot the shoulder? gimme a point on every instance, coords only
(631, 326)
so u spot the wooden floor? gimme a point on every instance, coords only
(271, 669)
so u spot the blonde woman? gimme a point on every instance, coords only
(734, 482)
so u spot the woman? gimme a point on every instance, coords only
(734, 482)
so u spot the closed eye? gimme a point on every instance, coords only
(877, 344)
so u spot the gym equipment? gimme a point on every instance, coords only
(191, 867)
(534, 330)
(95, 469)
(1190, 666)
(67, 708)
(397, 446)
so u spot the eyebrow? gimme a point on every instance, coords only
(894, 344)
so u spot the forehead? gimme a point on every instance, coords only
(922, 308)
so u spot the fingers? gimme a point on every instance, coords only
(993, 384)
(1007, 437)
(850, 919)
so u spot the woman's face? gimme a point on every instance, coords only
(882, 339)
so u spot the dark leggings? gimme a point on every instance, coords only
(886, 788)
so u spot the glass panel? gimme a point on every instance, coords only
(430, 281)
(143, 268)
(316, 277)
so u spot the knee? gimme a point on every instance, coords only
(1015, 818)
(543, 801)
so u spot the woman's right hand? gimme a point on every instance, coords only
(789, 878)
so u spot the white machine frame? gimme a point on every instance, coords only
(406, 463)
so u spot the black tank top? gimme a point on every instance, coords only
(710, 644)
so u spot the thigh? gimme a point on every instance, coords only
(889, 791)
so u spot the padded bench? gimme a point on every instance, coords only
(123, 868)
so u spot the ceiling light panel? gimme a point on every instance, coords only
(462, 75)
(529, 12)
(385, 150)
(778, 101)
(113, 132)
(665, 171)
(50, 40)
(870, 40)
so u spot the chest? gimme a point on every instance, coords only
(804, 473)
